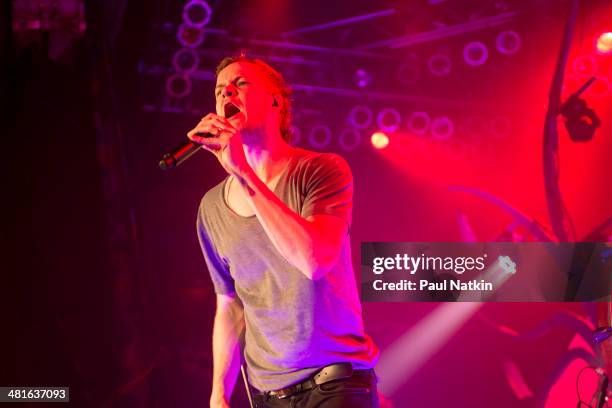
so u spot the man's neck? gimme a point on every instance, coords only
(268, 157)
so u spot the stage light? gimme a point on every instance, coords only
(185, 60)
(508, 42)
(475, 53)
(388, 120)
(197, 13)
(320, 136)
(604, 43)
(360, 117)
(362, 78)
(189, 36)
(349, 139)
(409, 72)
(442, 128)
(178, 86)
(439, 65)
(418, 123)
(379, 140)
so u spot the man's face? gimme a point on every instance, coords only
(244, 85)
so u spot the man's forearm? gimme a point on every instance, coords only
(301, 242)
(228, 326)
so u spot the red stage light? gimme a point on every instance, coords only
(379, 140)
(604, 43)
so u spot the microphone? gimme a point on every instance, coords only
(186, 149)
(181, 153)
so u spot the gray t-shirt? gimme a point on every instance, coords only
(294, 325)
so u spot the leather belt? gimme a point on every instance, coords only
(329, 373)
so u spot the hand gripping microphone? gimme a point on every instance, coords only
(186, 149)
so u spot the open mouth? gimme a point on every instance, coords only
(230, 110)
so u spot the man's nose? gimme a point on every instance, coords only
(228, 91)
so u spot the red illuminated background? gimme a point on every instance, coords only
(435, 104)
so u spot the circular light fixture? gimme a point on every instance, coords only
(349, 139)
(439, 65)
(185, 60)
(197, 13)
(189, 36)
(508, 42)
(475, 53)
(360, 117)
(388, 120)
(320, 136)
(418, 123)
(409, 71)
(178, 86)
(442, 128)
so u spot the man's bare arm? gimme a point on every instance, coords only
(227, 329)
(311, 244)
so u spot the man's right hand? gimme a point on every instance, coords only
(212, 124)
(225, 143)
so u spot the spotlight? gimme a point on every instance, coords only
(475, 53)
(388, 120)
(189, 36)
(320, 136)
(418, 123)
(379, 140)
(604, 43)
(439, 65)
(185, 60)
(442, 128)
(360, 117)
(349, 139)
(178, 85)
(197, 13)
(362, 78)
(508, 42)
(580, 120)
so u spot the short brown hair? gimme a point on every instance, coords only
(277, 81)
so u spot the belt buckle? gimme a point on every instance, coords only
(284, 393)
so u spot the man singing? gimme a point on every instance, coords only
(275, 237)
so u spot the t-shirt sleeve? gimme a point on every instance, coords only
(217, 267)
(328, 187)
